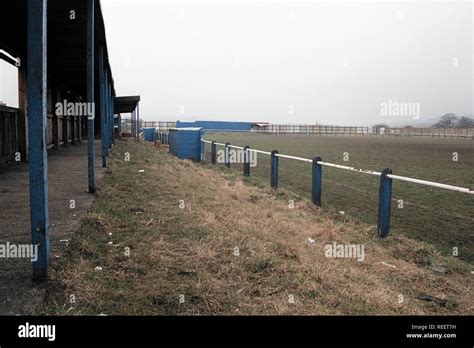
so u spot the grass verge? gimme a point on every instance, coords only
(184, 238)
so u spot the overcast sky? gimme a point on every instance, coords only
(287, 62)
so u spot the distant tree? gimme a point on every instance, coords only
(381, 125)
(446, 121)
(465, 122)
(406, 127)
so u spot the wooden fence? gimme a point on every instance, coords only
(8, 131)
(61, 131)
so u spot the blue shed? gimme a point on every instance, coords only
(185, 143)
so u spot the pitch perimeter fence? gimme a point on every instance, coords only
(311, 129)
(310, 178)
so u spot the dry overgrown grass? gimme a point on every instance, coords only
(191, 251)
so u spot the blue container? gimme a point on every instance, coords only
(185, 143)
(149, 134)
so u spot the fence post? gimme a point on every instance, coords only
(246, 160)
(227, 155)
(203, 148)
(213, 152)
(317, 181)
(385, 203)
(274, 173)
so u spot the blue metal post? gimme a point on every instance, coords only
(134, 125)
(107, 107)
(112, 119)
(138, 119)
(274, 173)
(213, 152)
(103, 109)
(37, 110)
(110, 114)
(385, 203)
(90, 94)
(317, 181)
(227, 155)
(246, 160)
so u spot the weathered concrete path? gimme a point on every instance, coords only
(67, 181)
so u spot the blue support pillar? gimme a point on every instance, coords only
(274, 173)
(37, 111)
(103, 104)
(112, 119)
(227, 155)
(138, 120)
(213, 152)
(107, 108)
(137, 126)
(317, 181)
(90, 94)
(385, 203)
(246, 161)
(134, 125)
(131, 125)
(109, 115)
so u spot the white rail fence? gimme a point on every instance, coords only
(385, 188)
